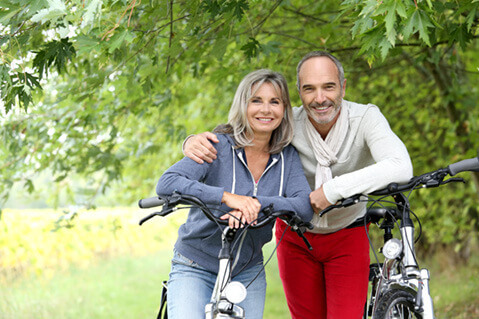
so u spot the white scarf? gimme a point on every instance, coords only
(325, 152)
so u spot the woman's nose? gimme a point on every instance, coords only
(266, 107)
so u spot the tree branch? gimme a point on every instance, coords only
(171, 36)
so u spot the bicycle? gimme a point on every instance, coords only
(399, 288)
(227, 294)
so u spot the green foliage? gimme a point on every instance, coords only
(106, 90)
(54, 53)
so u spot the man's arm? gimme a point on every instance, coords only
(199, 147)
(392, 161)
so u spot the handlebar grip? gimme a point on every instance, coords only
(471, 164)
(151, 202)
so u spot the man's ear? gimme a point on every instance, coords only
(344, 89)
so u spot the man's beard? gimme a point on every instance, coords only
(335, 104)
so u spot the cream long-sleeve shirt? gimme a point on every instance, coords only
(371, 157)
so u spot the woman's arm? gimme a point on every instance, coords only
(296, 192)
(187, 177)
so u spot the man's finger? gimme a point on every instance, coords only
(194, 157)
(208, 149)
(211, 136)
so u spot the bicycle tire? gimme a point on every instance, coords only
(397, 304)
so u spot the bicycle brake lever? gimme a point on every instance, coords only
(147, 218)
(327, 209)
(308, 225)
(300, 233)
(454, 179)
(163, 213)
(342, 203)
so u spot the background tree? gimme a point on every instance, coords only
(106, 90)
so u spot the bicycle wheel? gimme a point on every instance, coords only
(396, 304)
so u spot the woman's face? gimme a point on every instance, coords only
(265, 109)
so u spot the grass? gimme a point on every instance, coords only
(122, 287)
(130, 287)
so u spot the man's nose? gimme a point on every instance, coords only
(320, 97)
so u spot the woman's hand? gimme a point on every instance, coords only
(245, 208)
(236, 219)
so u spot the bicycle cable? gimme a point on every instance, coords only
(271, 256)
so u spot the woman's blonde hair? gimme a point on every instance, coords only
(238, 125)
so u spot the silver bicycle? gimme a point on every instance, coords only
(227, 294)
(399, 287)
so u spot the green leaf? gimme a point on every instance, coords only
(87, 44)
(419, 22)
(385, 46)
(29, 186)
(91, 10)
(238, 8)
(471, 18)
(252, 48)
(401, 9)
(423, 23)
(117, 40)
(54, 53)
(56, 9)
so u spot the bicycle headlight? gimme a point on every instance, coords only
(392, 248)
(235, 292)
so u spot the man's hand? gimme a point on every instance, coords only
(245, 207)
(199, 147)
(318, 200)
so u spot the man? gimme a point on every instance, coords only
(345, 148)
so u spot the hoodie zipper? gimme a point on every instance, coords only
(255, 185)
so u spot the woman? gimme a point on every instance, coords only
(255, 167)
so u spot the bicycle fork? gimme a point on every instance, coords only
(226, 293)
(423, 302)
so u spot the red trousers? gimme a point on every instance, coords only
(330, 281)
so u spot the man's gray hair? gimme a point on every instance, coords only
(315, 54)
(238, 124)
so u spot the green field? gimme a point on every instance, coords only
(106, 266)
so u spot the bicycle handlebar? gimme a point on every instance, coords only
(170, 202)
(427, 180)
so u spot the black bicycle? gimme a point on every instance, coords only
(399, 288)
(227, 294)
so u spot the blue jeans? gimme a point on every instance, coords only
(190, 287)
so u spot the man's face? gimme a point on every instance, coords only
(320, 89)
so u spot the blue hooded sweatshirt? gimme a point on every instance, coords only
(282, 184)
